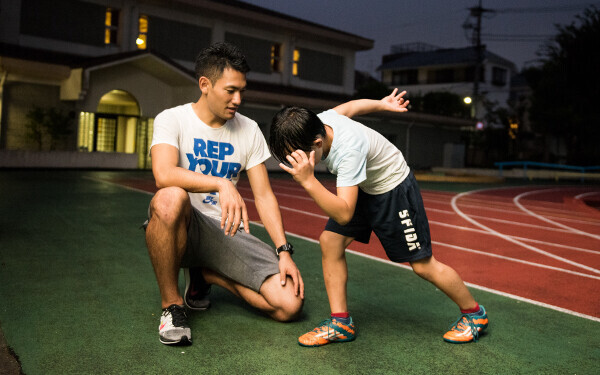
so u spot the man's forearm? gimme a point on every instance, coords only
(270, 215)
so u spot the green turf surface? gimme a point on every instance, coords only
(78, 296)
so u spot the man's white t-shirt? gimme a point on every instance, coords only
(361, 156)
(224, 152)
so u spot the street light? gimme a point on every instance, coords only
(467, 100)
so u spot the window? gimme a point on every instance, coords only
(111, 26)
(470, 74)
(405, 77)
(142, 39)
(259, 53)
(65, 20)
(498, 76)
(179, 40)
(276, 57)
(317, 66)
(296, 61)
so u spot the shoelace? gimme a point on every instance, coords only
(460, 325)
(178, 316)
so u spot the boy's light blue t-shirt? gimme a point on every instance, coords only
(361, 156)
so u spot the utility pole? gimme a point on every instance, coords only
(477, 12)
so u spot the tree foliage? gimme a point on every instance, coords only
(48, 126)
(566, 88)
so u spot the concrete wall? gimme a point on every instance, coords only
(67, 159)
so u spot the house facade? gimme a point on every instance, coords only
(110, 66)
(422, 68)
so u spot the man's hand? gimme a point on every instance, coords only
(394, 103)
(233, 208)
(303, 166)
(288, 267)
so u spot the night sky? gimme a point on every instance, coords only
(516, 30)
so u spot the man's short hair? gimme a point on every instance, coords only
(213, 60)
(294, 128)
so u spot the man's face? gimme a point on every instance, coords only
(225, 96)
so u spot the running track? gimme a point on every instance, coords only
(538, 244)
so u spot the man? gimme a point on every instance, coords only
(198, 219)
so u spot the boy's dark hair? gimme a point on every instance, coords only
(213, 60)
(293, 128)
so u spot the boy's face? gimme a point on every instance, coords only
(225, 95)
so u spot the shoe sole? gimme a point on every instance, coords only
(329, 342)
(183, 341)
(186, 273)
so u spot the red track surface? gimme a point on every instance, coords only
(539, 243)
(556, 262)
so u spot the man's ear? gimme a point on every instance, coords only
(204, 84)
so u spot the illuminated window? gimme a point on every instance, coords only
(142, 39)
(276, 57)
(111, 26)
(296, 61)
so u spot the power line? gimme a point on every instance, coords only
(555, 9)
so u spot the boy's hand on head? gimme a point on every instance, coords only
(302, 166)
(395, 102)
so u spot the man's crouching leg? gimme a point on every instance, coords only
(278, 301)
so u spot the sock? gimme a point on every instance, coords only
(343, 317)
(474, 310)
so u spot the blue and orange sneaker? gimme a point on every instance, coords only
(467, 328)
(330, 330)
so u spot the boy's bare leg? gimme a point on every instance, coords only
(445, 279)
(335, 269)
(278, 301)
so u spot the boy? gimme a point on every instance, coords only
(376, 191)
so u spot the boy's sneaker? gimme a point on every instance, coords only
(467, 328)
(330, 330)
(173, 327)
(196, 289)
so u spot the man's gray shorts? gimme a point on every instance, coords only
(242, 258)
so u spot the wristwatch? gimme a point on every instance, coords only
(287, 247)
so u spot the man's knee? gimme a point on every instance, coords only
(283, 299)
(290, 308)
(169, 204)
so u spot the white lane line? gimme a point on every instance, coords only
(573, 230)
(513, 211)
(558, 269)
(483, 253)
(509, 222)
(552, 244)
(585, 195)
(399, 265)
(510, 239)
(475, 286)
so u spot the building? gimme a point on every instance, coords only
(422, 68)
(110, 66)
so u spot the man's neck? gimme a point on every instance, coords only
(203, 112)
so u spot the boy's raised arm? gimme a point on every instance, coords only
(393, 103)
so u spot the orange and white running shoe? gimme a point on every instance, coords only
(330, 330)
(467, 328)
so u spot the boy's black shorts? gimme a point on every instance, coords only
(398, 219)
